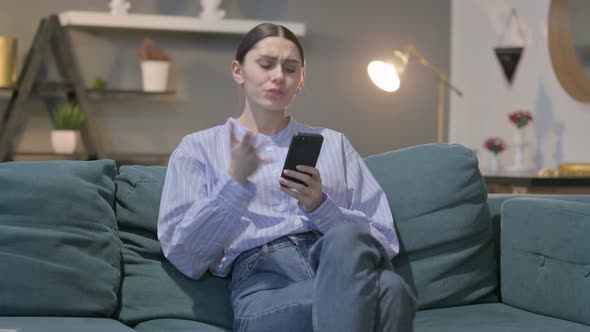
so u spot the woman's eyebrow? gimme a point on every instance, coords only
(274, 58)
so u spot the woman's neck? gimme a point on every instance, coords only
(264, 122)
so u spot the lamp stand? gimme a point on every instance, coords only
(443, 83)
(440, 123)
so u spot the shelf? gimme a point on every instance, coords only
(167, 22)
(54, 89)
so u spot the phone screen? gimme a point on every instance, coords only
(303, 150)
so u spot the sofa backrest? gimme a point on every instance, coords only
(438, 199)
(152, 287)
(546, 257)
(59, 249)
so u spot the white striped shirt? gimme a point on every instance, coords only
(207, 219)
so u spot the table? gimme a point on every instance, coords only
(532, 183)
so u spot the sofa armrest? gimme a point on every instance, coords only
(545, 257)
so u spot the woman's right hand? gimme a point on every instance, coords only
(244, 158)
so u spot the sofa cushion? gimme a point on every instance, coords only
(492, 317)
(177, 325)
(61, 324)
(152, 287)
(546, 257)
(438, 200)
(59, 248)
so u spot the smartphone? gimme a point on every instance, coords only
(303, 150)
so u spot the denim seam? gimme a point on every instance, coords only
(268, 312)
(239, 279)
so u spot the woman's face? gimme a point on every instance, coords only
(271, 74)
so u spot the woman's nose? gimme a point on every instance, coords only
(278, 74)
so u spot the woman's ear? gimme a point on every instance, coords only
(236, 71)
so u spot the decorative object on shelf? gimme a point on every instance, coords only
(495, 145)
(119, 7)
(385, 74)
(7, 61)
(574, 169)
(155, 65)
(67, 120)
(509, 56)
(99, 83)
(520, 119)
(210, 10)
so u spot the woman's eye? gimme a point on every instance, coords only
(290, 70)
(266, 65)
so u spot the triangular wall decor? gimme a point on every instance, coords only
(509, 57)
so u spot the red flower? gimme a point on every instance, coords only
(520, 118)
(495, 144)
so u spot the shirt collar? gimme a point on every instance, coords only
(280, 138)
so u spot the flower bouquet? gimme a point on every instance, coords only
(520, 118)
(495, 145)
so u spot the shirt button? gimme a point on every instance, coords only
(297, 222)
(269, 148)
(281, 208)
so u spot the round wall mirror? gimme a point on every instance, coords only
(569, 46)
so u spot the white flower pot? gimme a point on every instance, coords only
(155, 75)
(64, 141)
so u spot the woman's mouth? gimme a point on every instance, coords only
(275, 93)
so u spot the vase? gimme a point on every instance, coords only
(8, 58)
(155, 75)
(64, 141)
(518, 136)
(210, 10)
(493, 163)
(519, 147)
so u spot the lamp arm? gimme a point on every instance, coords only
(440, 75)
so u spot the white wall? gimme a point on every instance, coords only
(559, 132)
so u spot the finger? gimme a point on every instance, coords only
(298, 175)
(265, 160)
(293, 193)
(232, 135)
(294, 185)
(312, 171)
(260, 144)
(247, 140)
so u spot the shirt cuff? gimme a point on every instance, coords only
(325, 215)
(234, 195)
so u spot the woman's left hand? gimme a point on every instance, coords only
(310, 196)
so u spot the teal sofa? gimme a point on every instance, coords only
(79, 251)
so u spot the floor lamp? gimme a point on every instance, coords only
(386, 73)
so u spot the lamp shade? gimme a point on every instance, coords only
(385, 74)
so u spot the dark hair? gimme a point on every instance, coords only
(262, 31)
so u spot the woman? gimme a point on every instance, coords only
(300, 257)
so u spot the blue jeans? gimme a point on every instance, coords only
(341, 281)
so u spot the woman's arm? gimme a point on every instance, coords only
(367, 203)
(194, 220)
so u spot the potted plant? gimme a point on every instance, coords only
(67, 120)
(495, 145)
(520, 119)
(155, 65)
